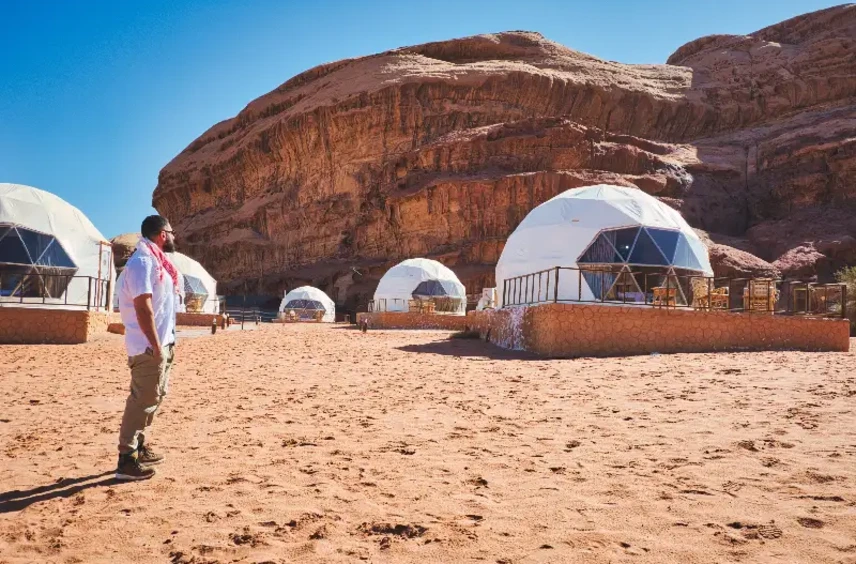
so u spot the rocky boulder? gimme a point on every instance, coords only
(123, 247)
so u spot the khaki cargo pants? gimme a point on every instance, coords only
(149, 385)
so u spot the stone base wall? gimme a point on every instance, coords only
(571, 330)
(30, 325)
(198, 319)
(407, 320)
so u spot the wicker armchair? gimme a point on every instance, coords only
(760, 295)
(664, 296)
(705, 296)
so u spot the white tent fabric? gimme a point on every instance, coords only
(37, 214)
(309, 298)
(560, 230)
(188, 267)
(399, 283)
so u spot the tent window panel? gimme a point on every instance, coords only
(193, 285)
(601, 251)
(304, 304)
(10, 279)
(648, 279)
(32, 286)
(685, 257)
(626, 289)
(599, 282)
(38, 282)
(453, 290)
(623, 239)
(53, 281)
(36, 243)
(666, 240)
(429, 288)
(54, 255)
(646, 252)
(12, 250)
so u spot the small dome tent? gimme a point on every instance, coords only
(50, 252)
(623, 241)
(199, 289)
(307, 302)
(424, 280)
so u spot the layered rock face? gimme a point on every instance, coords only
(440, 150)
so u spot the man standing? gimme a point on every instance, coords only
(148, 290)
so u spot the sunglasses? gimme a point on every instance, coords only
(167, 231)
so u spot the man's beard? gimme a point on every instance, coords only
(169, 246)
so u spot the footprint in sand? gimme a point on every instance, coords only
(751, 531)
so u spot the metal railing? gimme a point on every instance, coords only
(53, 290)
(668, 289)
(435, 305)
(241, 312)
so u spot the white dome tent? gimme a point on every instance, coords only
(50, 253)
(306, 302)
(423, 280)
(199, 289)
(623, 241)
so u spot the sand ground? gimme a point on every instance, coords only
(303, 443)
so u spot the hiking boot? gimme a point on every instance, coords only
(147, 456)
(129, 468)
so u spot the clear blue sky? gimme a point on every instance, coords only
(97, 96)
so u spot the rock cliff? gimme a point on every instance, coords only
(439, 150)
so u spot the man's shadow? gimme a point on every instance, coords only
(16, 500)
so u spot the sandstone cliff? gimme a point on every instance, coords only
(440, 150)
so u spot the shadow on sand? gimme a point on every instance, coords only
(16, 500)
(469, 347)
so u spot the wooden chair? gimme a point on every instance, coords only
(760, 295)
(707, 297)
(665, 296)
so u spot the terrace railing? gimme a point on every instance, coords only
(438, 305)
(671, 290)
(55, 290)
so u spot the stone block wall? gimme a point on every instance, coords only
(569, 330)
(407, 320)
(32, 325)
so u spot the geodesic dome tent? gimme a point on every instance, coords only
(623, 241)
(50, 252)
(306, 302)
(199, 289)
(420, 279)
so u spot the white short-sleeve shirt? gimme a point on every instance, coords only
(141, 277)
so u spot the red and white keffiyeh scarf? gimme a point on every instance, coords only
(163, 263)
